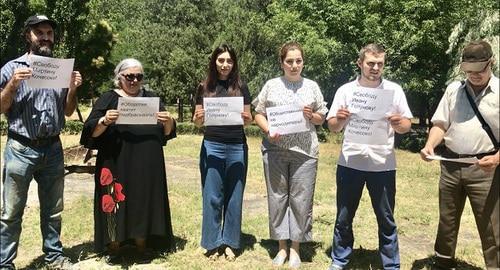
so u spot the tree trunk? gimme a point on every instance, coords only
(80, 117)
(180, 110)
(422, 121)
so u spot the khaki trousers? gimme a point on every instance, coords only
(460, 181)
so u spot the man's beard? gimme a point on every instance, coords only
(43, 50)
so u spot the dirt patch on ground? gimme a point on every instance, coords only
(179, 170)
(77, 185)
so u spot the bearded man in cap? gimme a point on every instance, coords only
(466, 135)
(35, 118)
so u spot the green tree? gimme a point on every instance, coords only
(89, 44)
(13, 13)
(415, 34)
(94, 55)
(172, 39)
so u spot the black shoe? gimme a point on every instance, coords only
(112, 259)
(443, 264)
(61, 263)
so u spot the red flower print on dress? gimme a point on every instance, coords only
(113, 195)
(106, 176)
(119, 196)
(108, 204)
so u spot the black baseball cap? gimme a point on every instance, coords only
(36, 19)
(476, 56)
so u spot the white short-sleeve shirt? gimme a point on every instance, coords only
(368, 157)
(279, 92)
(464, 134)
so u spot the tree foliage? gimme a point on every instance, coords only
(13, 14)
(173, 39)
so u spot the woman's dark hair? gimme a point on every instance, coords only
(234, 81)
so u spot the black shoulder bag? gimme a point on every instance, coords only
(484, 125)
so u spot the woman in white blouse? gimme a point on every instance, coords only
(290, 160)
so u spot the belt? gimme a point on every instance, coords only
(38, 142)
(450, 154)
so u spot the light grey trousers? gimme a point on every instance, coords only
(290, 180)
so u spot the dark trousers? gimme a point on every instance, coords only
(458, 182)
(382, 189)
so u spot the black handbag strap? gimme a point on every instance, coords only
(484, 125)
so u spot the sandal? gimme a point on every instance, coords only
(229, 254)
(279, 260)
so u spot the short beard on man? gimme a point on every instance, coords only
(42, 50)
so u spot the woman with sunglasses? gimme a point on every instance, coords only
(131, 200)
(291, 160)
(223, 158)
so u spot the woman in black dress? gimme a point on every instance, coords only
(131, 200)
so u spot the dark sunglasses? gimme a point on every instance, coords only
(131, 77)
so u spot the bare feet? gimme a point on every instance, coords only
(114, 247)
(212, 254)
(140, 243)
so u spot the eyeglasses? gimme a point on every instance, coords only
(131, 77)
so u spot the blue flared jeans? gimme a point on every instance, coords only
(223, 169)
(22, 164)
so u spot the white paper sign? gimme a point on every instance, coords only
(371, 103)
(50, 72)
(138, 110)
(365, 131)
(223, 111)
(469, 160)
(286, 119)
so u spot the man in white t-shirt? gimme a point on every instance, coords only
(458, 125)
(367, 155)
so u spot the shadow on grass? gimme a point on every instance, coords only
(85, 251)
(180, 244)
(426, 264)
(307, 250)
(75, 253)
(362, 258)
(247, 242)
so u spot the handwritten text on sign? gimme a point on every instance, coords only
(286, 119)
(371, 103)
(50, 72)
(223, 111)
(138, 110)
(365, 131)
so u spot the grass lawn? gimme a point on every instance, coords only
(416, 216)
